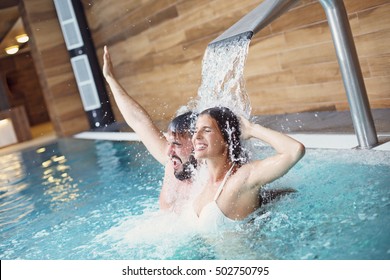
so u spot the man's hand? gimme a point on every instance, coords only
(108, 71)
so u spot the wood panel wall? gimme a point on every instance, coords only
(157, 47)
(23, 88)
(51, 60)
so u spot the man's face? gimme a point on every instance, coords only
(180, 151)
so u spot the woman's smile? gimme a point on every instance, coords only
(200, 146)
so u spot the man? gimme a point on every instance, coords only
(176, 156)
(177, 189)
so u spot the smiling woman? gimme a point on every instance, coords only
(231, 190)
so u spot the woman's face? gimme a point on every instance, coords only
(207, 139)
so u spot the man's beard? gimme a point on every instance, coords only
(187, 170)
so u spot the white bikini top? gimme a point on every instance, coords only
(211, 217)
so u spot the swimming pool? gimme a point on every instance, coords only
(96, 199)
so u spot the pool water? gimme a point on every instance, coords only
(94, 199)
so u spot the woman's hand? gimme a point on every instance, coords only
(108, 71)
(245, 126)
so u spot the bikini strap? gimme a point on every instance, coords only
(223, 183)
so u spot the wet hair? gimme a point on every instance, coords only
(229, 125)
(183, 124)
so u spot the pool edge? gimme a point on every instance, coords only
(310, 140)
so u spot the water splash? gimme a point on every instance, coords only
(223, 82)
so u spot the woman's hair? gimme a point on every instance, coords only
(229, 125)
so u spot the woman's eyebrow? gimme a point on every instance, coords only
(202, 127)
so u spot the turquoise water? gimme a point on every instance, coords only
(86, 199)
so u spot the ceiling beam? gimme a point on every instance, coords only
(8, 3)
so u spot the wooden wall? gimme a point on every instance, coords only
(23, 88)
(292, 66)
(157, 47)
(51, 60)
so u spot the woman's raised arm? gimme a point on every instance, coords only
(288, 152)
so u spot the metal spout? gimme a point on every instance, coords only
(257, 19)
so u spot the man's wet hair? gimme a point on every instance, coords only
(183, 124)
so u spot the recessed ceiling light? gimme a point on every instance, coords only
(22, 38)
(12, 49)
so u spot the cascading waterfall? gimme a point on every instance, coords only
(223, 82)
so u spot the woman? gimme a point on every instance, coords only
(231, 192)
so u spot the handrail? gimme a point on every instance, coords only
(351, 73)
(346, 53)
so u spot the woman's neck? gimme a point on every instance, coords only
(218, 168)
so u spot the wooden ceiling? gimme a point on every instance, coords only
(11, 24)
